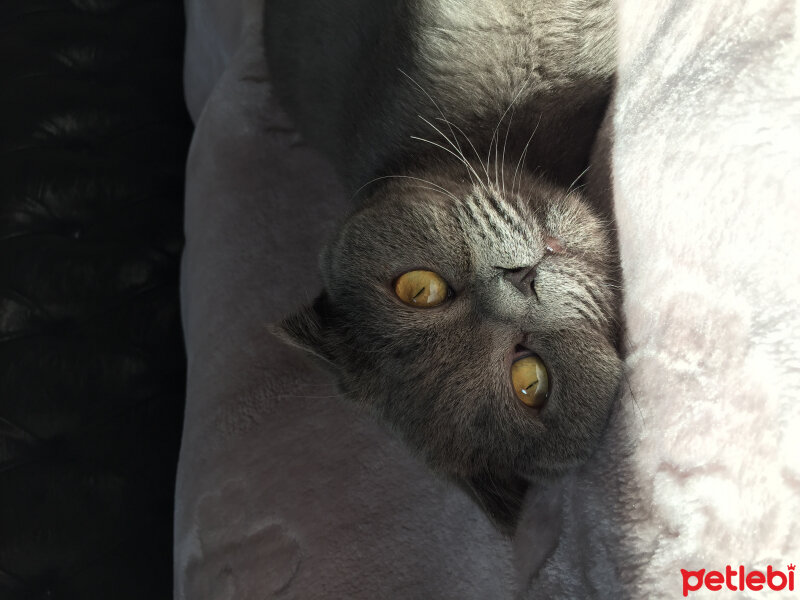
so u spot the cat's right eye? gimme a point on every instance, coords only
(423, 289)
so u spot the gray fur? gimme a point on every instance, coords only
(368, 82)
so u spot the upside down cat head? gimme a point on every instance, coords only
(480, 323)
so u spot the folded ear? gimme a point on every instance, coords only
(500, 497)
(307, 329)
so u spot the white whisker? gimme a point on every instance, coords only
(503, 160)
(432, 189)
(422, 89)
(522, 157)
(576, 180)
(435, 187)
(497, 128)
(469, 141)
(461, 156)
(421, 139)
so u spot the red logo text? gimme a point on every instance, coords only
(738, 579)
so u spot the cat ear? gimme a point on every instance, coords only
(307, 329)
(500, 498)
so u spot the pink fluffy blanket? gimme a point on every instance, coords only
(285, 491)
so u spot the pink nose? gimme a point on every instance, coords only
(553, 245)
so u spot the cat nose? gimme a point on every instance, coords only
(521, 278)
(553, 245)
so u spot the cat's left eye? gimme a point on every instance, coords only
(530, 380)
(423, 289)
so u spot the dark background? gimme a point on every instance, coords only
(93, 138)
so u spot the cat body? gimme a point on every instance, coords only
(460, 126)
(357, 74)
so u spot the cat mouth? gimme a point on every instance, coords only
(530, 378)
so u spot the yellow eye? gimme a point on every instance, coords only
(529, 378)
(423, 289)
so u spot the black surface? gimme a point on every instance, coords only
(93, 137)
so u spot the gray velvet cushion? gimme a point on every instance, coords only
(282, 485)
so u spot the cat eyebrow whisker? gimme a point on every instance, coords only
(503, 160)
(438, 191)
(460, 156)
(421, 139)
(497, 128)
(522, 157)
(454, 142)
(469, 141)
(422, 89)
(569, 189)
(450, 126)
(436, 187)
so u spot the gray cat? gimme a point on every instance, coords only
(472, 298)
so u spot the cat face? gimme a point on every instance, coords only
(526, 279)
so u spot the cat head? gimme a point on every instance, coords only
(481, 325)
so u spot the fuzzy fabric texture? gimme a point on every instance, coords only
(284, 491)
